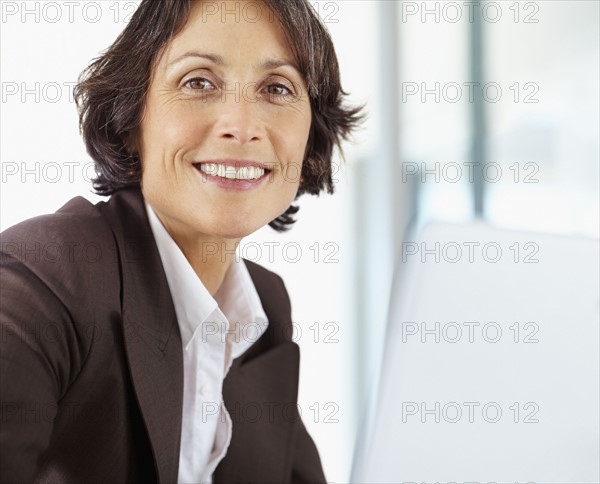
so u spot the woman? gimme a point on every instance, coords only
(205, 121)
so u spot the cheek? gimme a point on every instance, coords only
(176, 128)
(167, 133)
(290, 140)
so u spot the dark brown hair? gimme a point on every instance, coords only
(111, 93)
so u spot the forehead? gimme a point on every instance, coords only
(242, 28)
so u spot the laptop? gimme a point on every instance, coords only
(491, 365)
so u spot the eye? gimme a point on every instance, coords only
(278, 90)
(200, 84)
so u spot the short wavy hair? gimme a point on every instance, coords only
(111, 92)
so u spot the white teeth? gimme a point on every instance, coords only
(232, 172)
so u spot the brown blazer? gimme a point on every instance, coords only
(91, 374)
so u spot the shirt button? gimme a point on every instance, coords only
(203, 390)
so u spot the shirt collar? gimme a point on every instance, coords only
(239, 301)
(236, 300)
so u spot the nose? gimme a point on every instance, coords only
(239, 120)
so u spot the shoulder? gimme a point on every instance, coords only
(267, 282)
(276, 304)
(77, 220)
(66, 250)
(261, 274)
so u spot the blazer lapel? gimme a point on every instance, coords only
(151, 333)
(260, 396)
(260, 393)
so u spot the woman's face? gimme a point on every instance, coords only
(225, 103)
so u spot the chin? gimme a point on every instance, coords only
(235, 227)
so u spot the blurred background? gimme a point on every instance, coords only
(483, 110)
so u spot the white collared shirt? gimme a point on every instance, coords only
(214, 331)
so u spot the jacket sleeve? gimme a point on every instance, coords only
(307, 468)
(34, 366)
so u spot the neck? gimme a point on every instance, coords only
(209, 256)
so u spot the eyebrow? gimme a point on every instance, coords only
(218, 60)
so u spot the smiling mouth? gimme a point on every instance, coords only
(235, 171)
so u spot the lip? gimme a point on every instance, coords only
(236, 163)
(231, 184)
